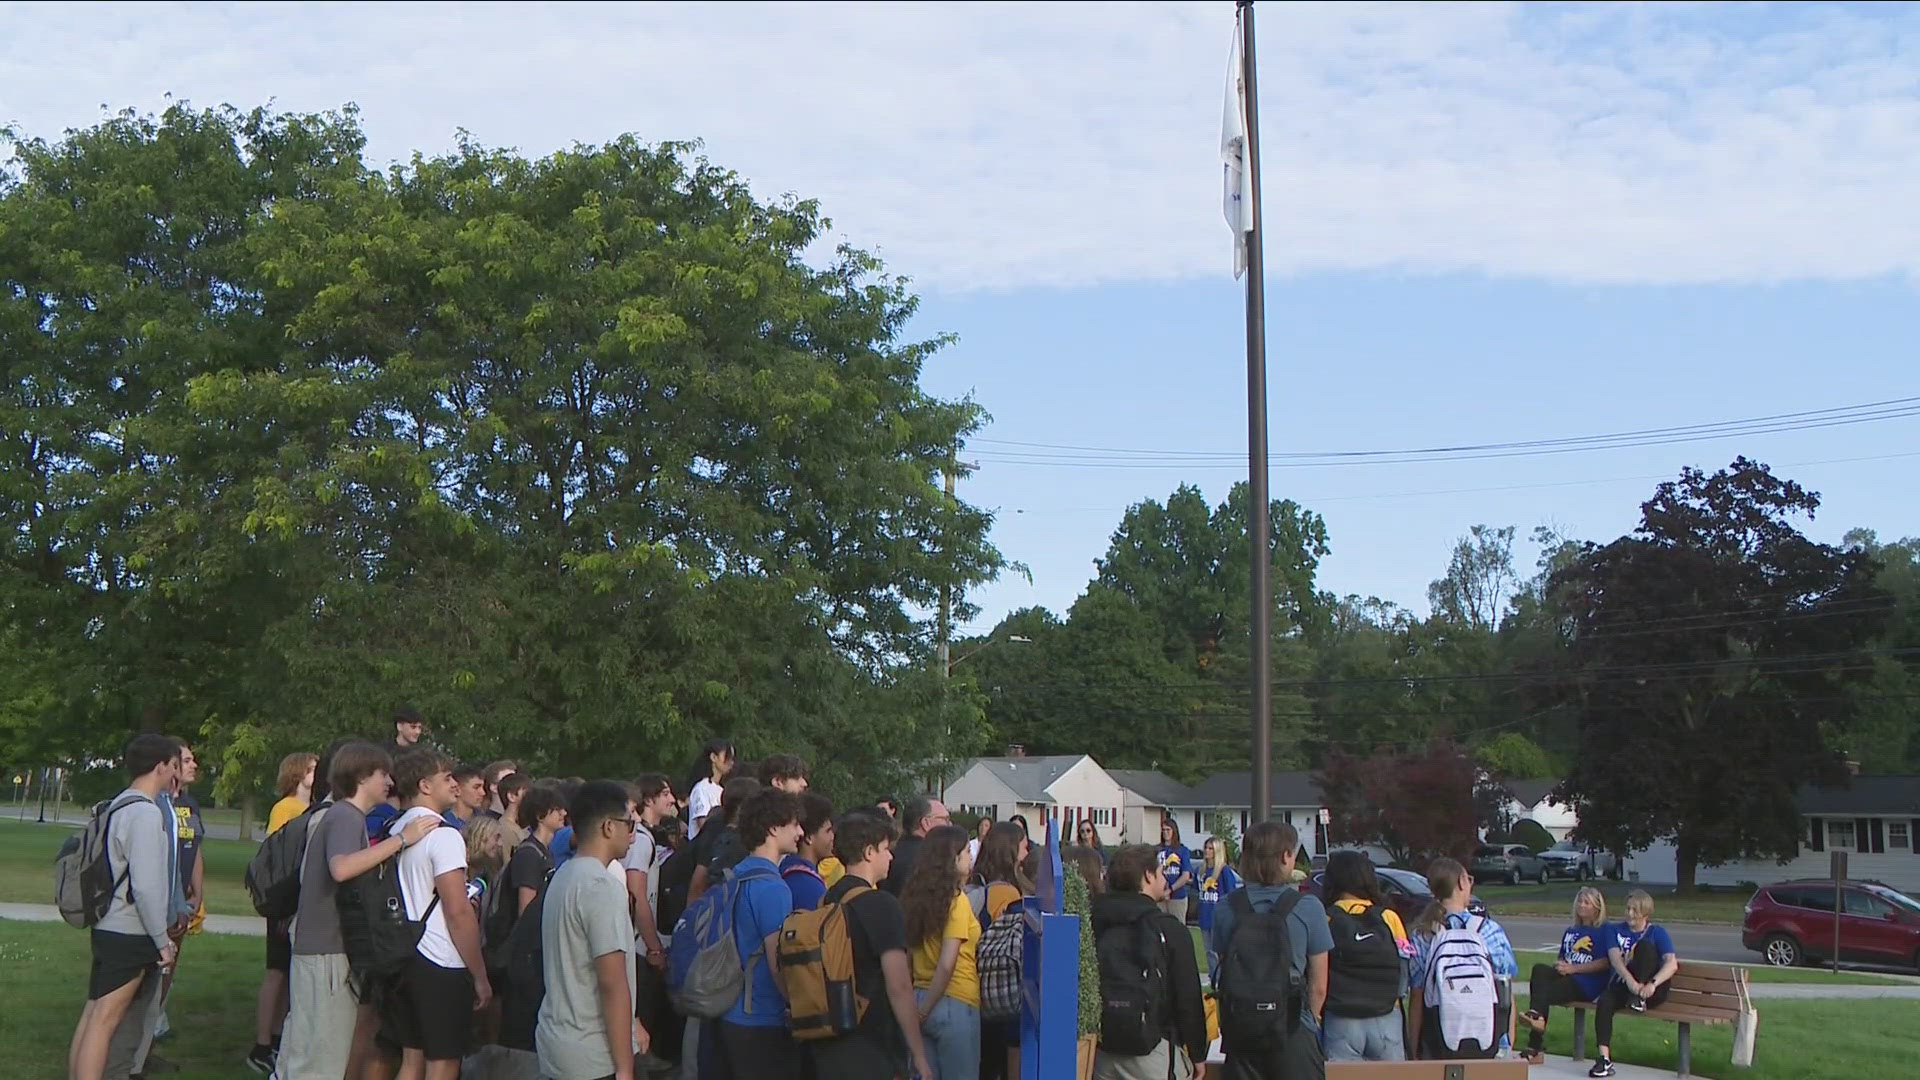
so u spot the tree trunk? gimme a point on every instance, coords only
(246, 817)
(1686, 860)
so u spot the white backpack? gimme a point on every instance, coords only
(1460, 983)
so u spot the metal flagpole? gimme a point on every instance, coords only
(1257, 524)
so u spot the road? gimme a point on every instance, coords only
(1693, 941)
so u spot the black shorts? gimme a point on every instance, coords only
(430, 1008)
(279, 944)
(118, 959)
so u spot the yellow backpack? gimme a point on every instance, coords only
(815, 968)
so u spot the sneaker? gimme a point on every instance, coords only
(1601, 1067)
(1638, 1004)
(261, 1060)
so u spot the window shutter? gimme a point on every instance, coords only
(1196, 824)
(1860, 835)
(1913, 836)
(1877, 829)
(1817, 834)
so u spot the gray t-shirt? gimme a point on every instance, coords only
(339, 828)
(585, 916)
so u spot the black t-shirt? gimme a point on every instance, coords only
(903, 853)
(719, 850)
(528, 867)
(877, 925)
(189, 830)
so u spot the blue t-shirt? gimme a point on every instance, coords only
(1175, 860)
(1624, 938)
(803, 881)
(562, 846)
(1584, 945)
(1213, 889)
(758, 910)
(454, 820)
(382, 815)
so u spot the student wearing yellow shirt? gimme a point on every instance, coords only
(270, 1008)
(942, 932)
(1367, 970)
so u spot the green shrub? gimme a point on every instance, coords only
(1533, 834)
(1079, 901)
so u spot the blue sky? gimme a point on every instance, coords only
(1485, 221)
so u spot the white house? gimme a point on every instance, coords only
(1875, 819)
(1294, 797)
(1148, 796)
(1531, 800)
(1068, 788)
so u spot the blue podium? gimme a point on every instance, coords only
(1050, 1008)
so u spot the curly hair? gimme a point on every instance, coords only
(927, 896)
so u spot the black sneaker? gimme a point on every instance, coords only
(1601, 1067)
(261, 1060)
(1638, 1004)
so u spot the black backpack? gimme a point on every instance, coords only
(1133, 985)
(273, 874)
(1364, 974)
(526, 977)
(676, 880)
(374, 928)
(501, 914)
(1258, 993)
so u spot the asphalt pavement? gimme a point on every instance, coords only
(1710, 942)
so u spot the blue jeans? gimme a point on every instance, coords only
(1373, 1038)
(952, 1033)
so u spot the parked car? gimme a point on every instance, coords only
(1577, 861)
(1407, 892)
(1792, 923)
(1511, 863)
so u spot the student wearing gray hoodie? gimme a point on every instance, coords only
(130, 943)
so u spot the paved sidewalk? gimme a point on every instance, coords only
(243, 925)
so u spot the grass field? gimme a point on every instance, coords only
(1556, 899)
(26, 867)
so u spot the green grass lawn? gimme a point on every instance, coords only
(26, 867)
(1556, 900)
(1801, 975)
(1797, 1040)
(46, 985)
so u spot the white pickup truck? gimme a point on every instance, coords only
(1568, 859)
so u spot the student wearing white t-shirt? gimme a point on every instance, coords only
(430, 1008)
(709, 772)
(653, 796)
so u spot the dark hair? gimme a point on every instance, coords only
(415, 766)
(918, 808)
(999, 858)
(1021, 820)
(1168, 821)
(352, 763)
(927, 896)
(889, 802)
(781, 767)
(407, 714)
(540, 800)
(510, 784)
(734, 795)
(815, 811)
(467, 770)
(595, 802)
(1128, 868)
(702, 767)
(568, 788)
(145, 753)
(769, 809)
(670, 831)
(1087, 823)
(651, 785)
(1350, 873)
(1263, 853)
(858, 830)
(1087, 861)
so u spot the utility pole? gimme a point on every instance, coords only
(946, 585)
(1258, 527)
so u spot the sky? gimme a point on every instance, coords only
(1484, 223)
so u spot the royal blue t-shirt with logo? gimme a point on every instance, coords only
(1584, 945)
(1215, 887)
(1625, 938)
(758, 910)
(1175, 860)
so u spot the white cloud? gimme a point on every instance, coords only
(1005, 146)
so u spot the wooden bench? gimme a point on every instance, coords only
(1711, 994)
(1509, 1069)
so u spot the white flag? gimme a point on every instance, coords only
(1236, 200)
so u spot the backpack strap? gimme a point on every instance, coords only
(106, 811)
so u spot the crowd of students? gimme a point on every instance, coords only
(464, 920)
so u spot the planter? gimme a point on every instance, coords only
(1083, 1063)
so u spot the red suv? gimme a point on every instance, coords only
(1792, 923)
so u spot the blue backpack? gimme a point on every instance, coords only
(705, 973)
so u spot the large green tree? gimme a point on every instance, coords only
(1714, 648)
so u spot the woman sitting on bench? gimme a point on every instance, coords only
(1579, 975)
(1643, 966)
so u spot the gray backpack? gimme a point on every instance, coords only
(83, 878)
(705, 975)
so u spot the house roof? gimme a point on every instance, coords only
(1884, 795)
(1154, 788)
(1530, 792)
(1029, 777)
(1234, 789)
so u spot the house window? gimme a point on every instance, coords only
(978, 810)
(1840, 835)
(1101, 815)
(1897, 836)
